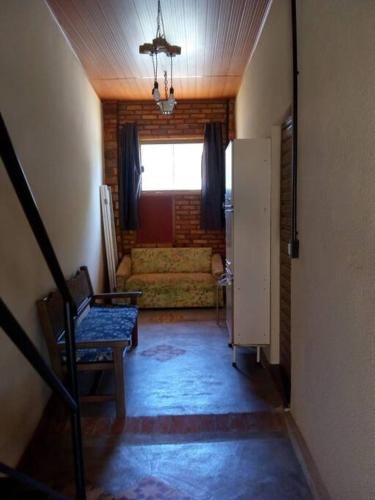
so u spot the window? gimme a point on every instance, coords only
(169, 167)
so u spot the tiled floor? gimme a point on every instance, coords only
(197, 428)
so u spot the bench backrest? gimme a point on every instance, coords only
(51, 315)
(81, 289)
(171, 260)
(51, 312)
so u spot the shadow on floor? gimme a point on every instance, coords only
(195, 425)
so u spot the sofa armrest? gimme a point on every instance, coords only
(217, 267)
(123, 272)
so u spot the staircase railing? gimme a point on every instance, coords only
(18, 336)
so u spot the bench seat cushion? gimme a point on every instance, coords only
(104, 323)
(107, 323)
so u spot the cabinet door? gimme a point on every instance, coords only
(229, 240)
(229, 270)
(229, 311)
(252, 233)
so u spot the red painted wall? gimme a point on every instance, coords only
(156, 219)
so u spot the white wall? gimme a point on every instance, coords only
(262, 104)
(54, 119)
(265, 95)
(333, 282)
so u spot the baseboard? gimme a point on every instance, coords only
(310, 470)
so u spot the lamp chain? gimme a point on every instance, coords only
(171, 72)
(166, 85)
(155, 65)
(160, 32)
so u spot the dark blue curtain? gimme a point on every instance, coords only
(130, 176)
(213, 177)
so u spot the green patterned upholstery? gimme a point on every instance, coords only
(171, 277)
(171, 260)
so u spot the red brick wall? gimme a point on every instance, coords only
(285, 263)
(187, 231)
(187, 122)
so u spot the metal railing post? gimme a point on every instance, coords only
(75, 416)
(17, 335)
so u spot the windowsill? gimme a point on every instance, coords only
(171, 192)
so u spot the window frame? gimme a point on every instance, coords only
(163, 192)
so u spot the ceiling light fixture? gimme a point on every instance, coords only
(160, 45)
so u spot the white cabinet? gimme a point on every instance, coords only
(248, 233)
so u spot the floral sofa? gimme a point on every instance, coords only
(171, 277)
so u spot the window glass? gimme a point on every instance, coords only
(171, 166)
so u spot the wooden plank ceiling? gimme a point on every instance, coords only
(216, 36)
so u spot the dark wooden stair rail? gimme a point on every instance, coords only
(30, 484)
(18, 179)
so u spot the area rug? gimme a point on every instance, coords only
(151, 488)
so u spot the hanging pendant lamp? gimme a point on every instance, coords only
(160, 45)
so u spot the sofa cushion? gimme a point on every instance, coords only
(171, 260)
(170, 280)
(164, 290)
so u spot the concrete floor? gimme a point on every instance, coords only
(261, 467)
(248, 468)
(184, 367)
(201, 428)
(198, 377)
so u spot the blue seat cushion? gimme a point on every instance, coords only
(104, 323)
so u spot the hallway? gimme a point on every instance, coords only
(196, 428)
(73, 82)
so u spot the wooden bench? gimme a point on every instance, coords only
(103, 333)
